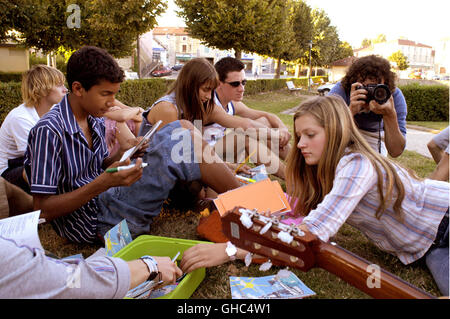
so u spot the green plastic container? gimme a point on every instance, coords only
(169, 247)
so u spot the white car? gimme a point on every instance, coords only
(131, 75)
(325, 88)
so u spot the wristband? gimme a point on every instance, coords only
(152, 266)
(231, 251)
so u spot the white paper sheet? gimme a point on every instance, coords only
(22, 229)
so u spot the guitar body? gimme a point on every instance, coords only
(304, 251)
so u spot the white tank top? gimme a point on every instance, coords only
(214, 132)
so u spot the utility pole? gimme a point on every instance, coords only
(138, 49)
(309, 71)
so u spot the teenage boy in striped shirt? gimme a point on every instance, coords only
(67, 156)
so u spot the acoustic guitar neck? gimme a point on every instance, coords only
(289, 246)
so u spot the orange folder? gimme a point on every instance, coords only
(263, 195)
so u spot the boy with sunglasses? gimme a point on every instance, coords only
(228, 99)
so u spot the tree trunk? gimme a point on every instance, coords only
(278, 69)
(238, 54)
(297, 71)
(51, 60)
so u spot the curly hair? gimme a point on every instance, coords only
(371, 66)
(227, 65)
(90, 65)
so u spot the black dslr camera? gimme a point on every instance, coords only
(378, 92)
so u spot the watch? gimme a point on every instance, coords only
(152, 266)
(231, 251)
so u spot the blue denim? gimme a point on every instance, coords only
(437, 262)
(142, 201)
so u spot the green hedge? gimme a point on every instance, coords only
(425, 103)
(10, 77)
(10, 97)
(143, 92)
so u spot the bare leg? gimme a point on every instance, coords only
(215, 173)
(435, 151)
(18, 200)
(236, 146)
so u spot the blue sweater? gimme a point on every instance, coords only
(365, 122)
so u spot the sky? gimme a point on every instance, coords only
(424, 21)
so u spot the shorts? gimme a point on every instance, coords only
(4, 206)
(142, 201)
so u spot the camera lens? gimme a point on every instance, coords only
(381, 94)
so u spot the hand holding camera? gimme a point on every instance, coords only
(362, 95)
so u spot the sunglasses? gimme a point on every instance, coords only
(235, 84)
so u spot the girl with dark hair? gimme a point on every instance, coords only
(190, 97)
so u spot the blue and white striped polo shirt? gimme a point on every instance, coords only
(59, 160)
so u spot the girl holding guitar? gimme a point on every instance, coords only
(336, 177)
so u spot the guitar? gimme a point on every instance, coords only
(251, 231)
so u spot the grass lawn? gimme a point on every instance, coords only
(438, 126)
(182, 224)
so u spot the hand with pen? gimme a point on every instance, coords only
(123, 173)
(237, 168)
(169, 271)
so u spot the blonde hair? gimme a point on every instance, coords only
(38, 81)
(311, 183)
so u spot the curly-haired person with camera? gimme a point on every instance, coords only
(378, 106)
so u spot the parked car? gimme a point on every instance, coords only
(446, 78)
(435, 77)
(131, 75)
(415, 75)
(325, 88)
(177, 67)
(161, 71)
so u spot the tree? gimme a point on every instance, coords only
(112, 25)
(366, 43)
(327, 47)
(400, 59)
(230, 24)
(379, 39)
(302, 25)
(279, 40)
(345, 50)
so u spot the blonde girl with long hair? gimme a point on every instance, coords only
(336, 177)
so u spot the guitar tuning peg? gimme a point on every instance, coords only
(275, 220)
(248, 259)
(246, 220)
(285, 237)
(265, 228)
(265, 266)
(297, 230)
(283, 273)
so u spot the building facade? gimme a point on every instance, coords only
(419, 55)
(13, 59)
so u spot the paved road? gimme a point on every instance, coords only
(417, 141)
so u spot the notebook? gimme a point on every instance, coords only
(263, 195)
